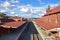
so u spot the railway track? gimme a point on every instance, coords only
(26, 32)
(30, 33)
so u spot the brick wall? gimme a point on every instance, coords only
(52, 19)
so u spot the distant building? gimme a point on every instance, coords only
(16, 18)
(9, 24)
(6, 20)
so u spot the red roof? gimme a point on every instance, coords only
(54, 10)
(14, 24)
(16, 17)
(6, 20)
(45, 25)
(57, 9)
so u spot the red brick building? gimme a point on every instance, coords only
(16, 18)
(52, 16)
(51, 20)
(9, 24)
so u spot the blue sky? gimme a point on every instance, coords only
(27, 8)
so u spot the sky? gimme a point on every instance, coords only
(27, 8)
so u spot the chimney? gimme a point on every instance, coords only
(48, 9)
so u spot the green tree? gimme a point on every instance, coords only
(2, 15)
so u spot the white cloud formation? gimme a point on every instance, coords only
(21, 6)
(37, 11)
(33, 11)
(16, 14)
(12, 12)
(2, 11)
(24, 9)
(53, 5)
(14, 1)
(6, 4)
(28, 5)
(12, 7)
(28, 9)
(36, 16)
(29, 14)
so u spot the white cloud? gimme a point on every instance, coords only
(2, 11)
(24, 6)
(12, 7)
(33, 11)
(12, 12)
(36, 16)
(24, 9)
(28, 5)
(6, 8)
(16, 14)
(29, 14)
(6, 4)
(14, 1)
(52, 5)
